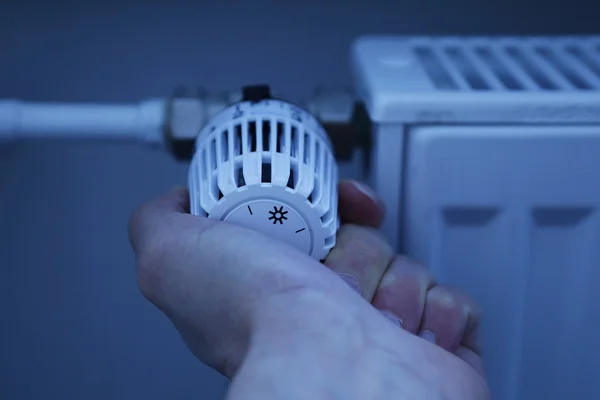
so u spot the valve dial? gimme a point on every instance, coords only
(275, 219)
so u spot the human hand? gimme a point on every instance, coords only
(282, 325)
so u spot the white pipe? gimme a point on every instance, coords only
(137, 122)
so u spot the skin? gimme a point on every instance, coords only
(364, 324)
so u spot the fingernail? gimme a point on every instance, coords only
(429, 336)
(367, 191)
(392, 317)
(351, 281)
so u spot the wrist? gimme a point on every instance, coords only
(311, 318)
(305, 346)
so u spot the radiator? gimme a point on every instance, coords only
(486, 152)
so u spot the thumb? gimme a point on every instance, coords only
(151, 217)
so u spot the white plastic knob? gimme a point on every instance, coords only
(269, 166)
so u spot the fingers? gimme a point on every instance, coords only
(361, 256)
(450, 319)
(359, 205)
(403, 291)
(440, 314)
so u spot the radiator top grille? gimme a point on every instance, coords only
(505, 64)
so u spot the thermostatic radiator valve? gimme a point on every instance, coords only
(268, 165)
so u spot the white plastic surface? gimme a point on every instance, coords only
(268, 166)
(477, 79)
(141, 122)
(512, 215)
(282, 220)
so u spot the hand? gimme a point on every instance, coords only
(282, 325)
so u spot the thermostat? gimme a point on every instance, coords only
(268, 165)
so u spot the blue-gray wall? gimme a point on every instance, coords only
(72, 323)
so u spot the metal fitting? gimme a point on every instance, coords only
(188, 109)
(345, 120)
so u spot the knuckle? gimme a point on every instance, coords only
(453, 298)
(446, 298)
(414, 270)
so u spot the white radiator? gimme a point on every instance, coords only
(487, 155)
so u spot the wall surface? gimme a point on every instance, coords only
(73, 324)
